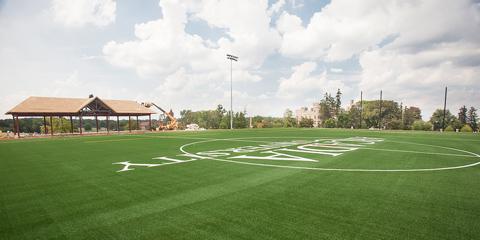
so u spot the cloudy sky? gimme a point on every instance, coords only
(290, 52)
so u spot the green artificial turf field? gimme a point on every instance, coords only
(242, 184)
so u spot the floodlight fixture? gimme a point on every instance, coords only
(232, 57)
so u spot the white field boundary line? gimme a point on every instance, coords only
(337, 169)
(418, 152)
(145, 138)
(194, 138)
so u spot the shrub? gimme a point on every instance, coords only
(466, 128)
(427, 126)
(395, 124)
(329, 123)
(420, 125)
(449, 129)
(306, 123)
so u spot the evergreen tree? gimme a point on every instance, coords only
(462, 115)
(472, 118)
(338, 102)
(327, 107)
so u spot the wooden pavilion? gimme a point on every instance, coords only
(78, 107)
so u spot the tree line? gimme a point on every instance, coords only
(212, 119)
(385, 114)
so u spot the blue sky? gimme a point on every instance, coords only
(291, 52)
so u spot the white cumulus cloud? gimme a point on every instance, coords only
(410, 49)
(187, 65)
(81, 12)
(304, 83)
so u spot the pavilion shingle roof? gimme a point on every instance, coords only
(127, 106)
(50, 105)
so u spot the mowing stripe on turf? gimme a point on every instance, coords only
(143, 138)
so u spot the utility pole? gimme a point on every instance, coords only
(444, 109)
(402, 113)
(231, 58)
(361, 109)
(380, 113)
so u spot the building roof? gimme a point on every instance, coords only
(72, 106)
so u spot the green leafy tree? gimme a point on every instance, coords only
(395, 124)
(257, 122)
(225, 122)
(186, 117)
(217, 116)
(437, 119)
(277, 122)
(410, 115)
(455, 124)
(213, 119)
(239, 120)
(390, 112)
(329, 123)
(6, 125)
(288, 120)
(306, 123)
(60, 125)
(88, 126)
(344, 120)
(354, 114)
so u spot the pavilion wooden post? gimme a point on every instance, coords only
(129, 123)
(45, 125)
(14, 128)
(118, 124)
(18, 127)
(71, 125)
(108, 125)
(51, 126)
(150, 121)
(81, 124)
(96, 121)
(61, 124)
(138, 126)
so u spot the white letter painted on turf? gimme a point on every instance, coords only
(127, 164)
(277, 156)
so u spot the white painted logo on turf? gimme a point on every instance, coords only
(272, 151)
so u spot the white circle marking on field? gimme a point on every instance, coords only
(333, 169)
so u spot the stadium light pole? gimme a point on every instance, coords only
(231, 58)
(444, 109)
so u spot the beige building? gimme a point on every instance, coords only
(309, 113)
